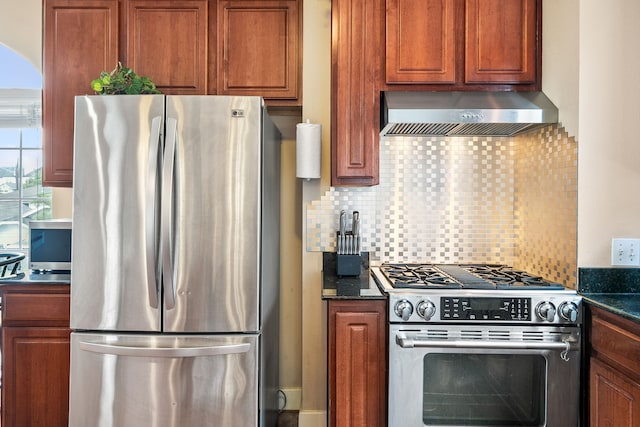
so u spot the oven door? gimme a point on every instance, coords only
(481, 375)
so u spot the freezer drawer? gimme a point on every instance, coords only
(163, 380)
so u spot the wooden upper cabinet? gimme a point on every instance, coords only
(501, 38)
(421, 41)
(357, 36)
(464, 44)
(166, 40)
(259, 49)
(173, 42)
(80, 41)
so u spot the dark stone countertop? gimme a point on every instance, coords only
(30, 278)
(345, 287)
(616, 290)
(625, 305)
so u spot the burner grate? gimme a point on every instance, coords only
(417, 276)
(470, 276)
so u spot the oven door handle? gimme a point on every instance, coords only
(566, 345)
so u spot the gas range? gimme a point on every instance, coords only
(472, 293)
(480, 333)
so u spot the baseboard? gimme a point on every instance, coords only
(292, 399)
(312, 419)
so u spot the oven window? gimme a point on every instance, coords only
(484, 389)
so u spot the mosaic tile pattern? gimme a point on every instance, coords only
(547, 204)
(458, 200)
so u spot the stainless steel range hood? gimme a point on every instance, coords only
(465, 113)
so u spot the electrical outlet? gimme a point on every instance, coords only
(625, 252)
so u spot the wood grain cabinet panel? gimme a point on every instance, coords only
(80, 40)
(421, 41)
(173, 42)
(615, 399)
(357, 363)
(614, 370)
(36, 376)
(27, 308)
(35, 355)
(167, 41)
(500, 45)
(355, 94)
(259, 49)
(465, 44)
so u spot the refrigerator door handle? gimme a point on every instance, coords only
(166, 238)
(118, 350)
(151, 237)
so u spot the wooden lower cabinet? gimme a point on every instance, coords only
(357, 363)
(615, 399)
(35, 356)
(614, 371)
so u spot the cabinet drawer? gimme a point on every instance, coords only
(616, 343)
(24, 307)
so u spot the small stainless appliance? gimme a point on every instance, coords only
(50, 245)
(480, 345)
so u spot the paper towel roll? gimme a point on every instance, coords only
(308, 150)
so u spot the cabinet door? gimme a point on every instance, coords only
(421, 41)
(35, 377)
(166, 40)
(357, 28)
(615, 398)
(259, 49)
(501, 41)
(357, 363)
(80, 41)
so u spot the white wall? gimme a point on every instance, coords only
(317, 107)
(609, 145)
(560, 59)
(591, 70)
(21, 29)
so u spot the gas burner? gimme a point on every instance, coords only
(469, 276)
(417, 276)
(505, 277)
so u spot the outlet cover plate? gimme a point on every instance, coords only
(625, 252)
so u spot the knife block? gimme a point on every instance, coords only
(348, 265)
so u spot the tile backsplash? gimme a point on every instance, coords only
(461, 200)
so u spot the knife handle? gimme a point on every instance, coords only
(355, 224)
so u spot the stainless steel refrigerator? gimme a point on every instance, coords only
(175, 262)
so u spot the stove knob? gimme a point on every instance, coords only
(568, 311)
(546, 311)
(403, 309)
(426, 309)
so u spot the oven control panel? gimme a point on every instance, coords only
(485, 309)
(560, 308)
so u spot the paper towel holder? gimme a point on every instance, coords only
(308, 150)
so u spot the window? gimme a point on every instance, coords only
(22, 196)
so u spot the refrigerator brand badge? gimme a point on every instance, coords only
(237, 113)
